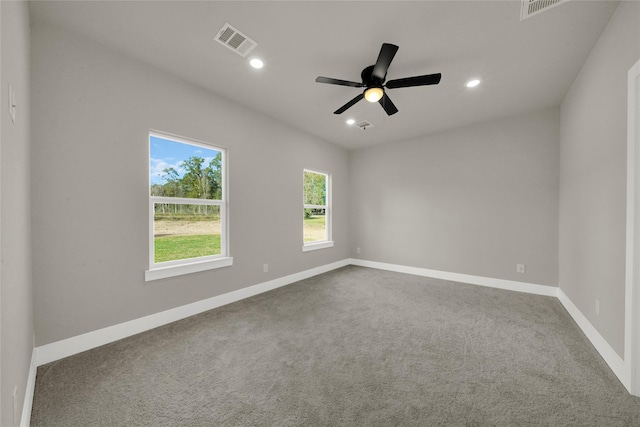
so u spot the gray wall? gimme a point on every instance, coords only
(593, 177)
(92, 110)
(15, 211)
(476, 200)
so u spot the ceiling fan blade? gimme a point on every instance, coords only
(331, 81)
(429, 79)
(349, 104)
(388, 106)
(387, 52)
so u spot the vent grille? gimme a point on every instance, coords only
(533, 7)
(233, 39)
(363, 124)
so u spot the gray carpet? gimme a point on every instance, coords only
(353, 347)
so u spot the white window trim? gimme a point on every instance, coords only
(328, 242)
(314, 246)
(186, 268)
(167, 269)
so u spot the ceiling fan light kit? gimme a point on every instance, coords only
(373, 80)
(373, 94)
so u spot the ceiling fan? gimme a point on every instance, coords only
(373, 78)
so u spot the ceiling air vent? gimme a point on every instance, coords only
(235, 40)
(364, 125)
(533, 7)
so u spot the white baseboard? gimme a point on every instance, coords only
(509, 285)
(70, 346)
(609, 355)
(25, 421)
(64, 348)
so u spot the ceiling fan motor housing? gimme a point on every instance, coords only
(368, 80)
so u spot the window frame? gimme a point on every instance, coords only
(327, 242)
(160, 270)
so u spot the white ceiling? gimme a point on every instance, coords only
(524, 65)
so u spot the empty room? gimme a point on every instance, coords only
(320, 213)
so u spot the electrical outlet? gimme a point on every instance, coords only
(12, 104)
(358, 250)
(520, 268)
(597, 307)
(265, 268)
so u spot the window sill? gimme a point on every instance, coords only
(315, 246)
(193, 267)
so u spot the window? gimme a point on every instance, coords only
(316, 229)
(187, 207)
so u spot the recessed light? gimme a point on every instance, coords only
(350, 122)
(256, 63)
(473, 83)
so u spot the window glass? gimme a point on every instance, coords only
(315, 225)
(316, 210)
(179, 169)
(315, 188)
(182, 231)
(187, 206)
